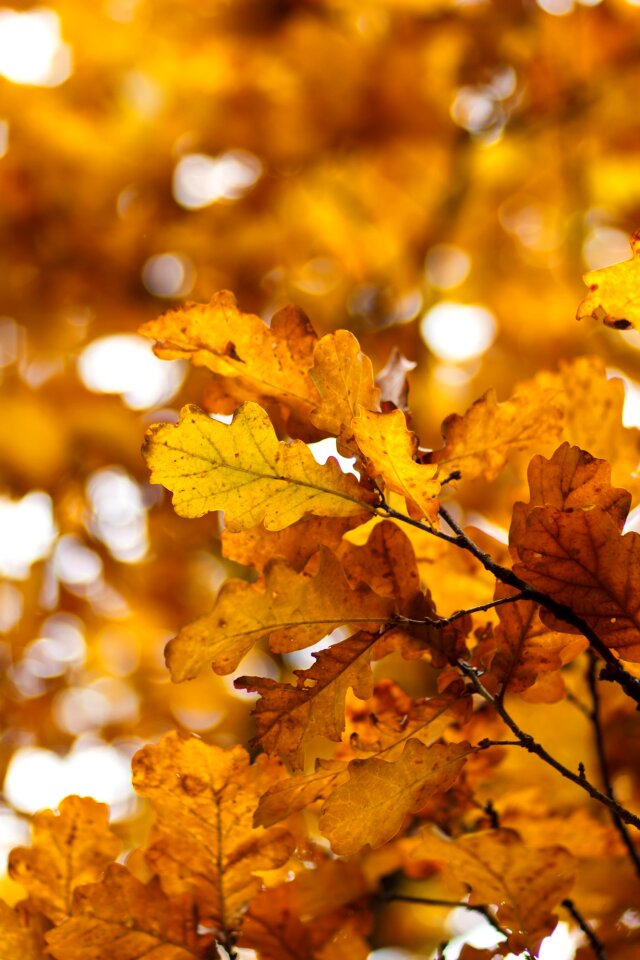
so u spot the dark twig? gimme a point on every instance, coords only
(595, 717)
(431, 902)
(595, 941)
(527, 742)
(445, 621)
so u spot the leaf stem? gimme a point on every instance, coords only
(434, 902)
(445, 621)
(526, 741)
(595, 941)
(595, 718)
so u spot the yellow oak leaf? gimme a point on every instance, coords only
(344, 379)
(19, 939)
(293, 610)
(251, 360)
(371, 806)
(295, 544)
(581, 559)
(125, 919)
(497, 867)
(288, 717)
(204, 799)
(389, 448)
(479, 443)
(523, 648)
(69, 848)
(614, 292)
(571, 479)
(241, 468)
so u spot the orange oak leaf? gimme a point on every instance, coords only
(371, 806)
(297, 792)
(295, 544)
(523, 648)
(389, 448)
(579, 558)
(241, 468)
(204, 799)
(572, 478)
(70, 848)
(125, 919)
(19, 939)
(344, 379)
(386, 562)
(614, 292)
(253, 361)
(497, 867)
(288, 717)
(293, 610)
(479, 443)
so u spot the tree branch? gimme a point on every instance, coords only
(527, 742)
(445, 621)
(595, 941)
(595, 718)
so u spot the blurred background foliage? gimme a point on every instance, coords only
(432, 174)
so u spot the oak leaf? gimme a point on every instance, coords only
(295, 544)
(580, 559)
(386, 563)
(293, 610)
(288, 717)
(69, 848)
(241, 468)
(297, 792)
(19, 939)
(204, 800)
(479, 443)
(497, 867)
(251, 361)
(371, 806)
(344, 379)
(389, 448)
(571, 479)
(125, 919)
(614, 292)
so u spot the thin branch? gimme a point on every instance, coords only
(390, 512)
(613, 671)
(431, 902)
(596, 721)
(526, 741)
(445, 621)
(595, 941)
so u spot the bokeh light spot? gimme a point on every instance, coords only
(28, 533)
(200, 180)
(126, 364)
(456, 332)
(31, 48)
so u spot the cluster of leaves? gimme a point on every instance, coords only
(288, 858)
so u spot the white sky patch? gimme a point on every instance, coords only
(28, 533)
(323, 449)
(37, 778)
(125, 364)
(255, 664)
(456, 332)
(119, 517)
(31, 48)
(200, 180)
(631, 408)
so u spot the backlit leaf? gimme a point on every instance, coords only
(614, 292)
(293, 610)
(241, 468)
(125, 919)
(389, 447)
(19, 940)
(371, 806)
(70, 848)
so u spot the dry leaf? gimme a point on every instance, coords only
(614, 292)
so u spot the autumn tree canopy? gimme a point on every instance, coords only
(344, 664)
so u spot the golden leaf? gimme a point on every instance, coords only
(253, 361)
(288, 717)
(580, 559)
(479, 443)
(19, 939)
(295, 793)
(204, 799)
(69, 848)
(296, 544)
(389, 447)
(293, 610)
(386, 562)
(614, 292)
(124, 919)
(497, 867)
(371, 806)
(344, 379)
(241, 468)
